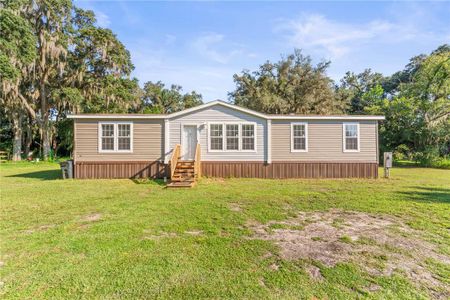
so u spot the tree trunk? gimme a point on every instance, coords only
(45, 121)
(17, 142)
(45, 140)
(28, 137)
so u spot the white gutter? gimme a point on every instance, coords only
(299, 117)
(116, 117)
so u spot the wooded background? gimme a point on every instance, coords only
(55, 60)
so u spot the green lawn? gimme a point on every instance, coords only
(136, 239)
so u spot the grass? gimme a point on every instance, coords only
(134, 239)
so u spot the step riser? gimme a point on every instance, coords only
(184, 175)
(182, 180)
(180, 185)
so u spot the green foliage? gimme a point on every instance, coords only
(161, 100)
(64, 135)
(360, 90)
(7, 69)
(417, 108)
(6, 134)
(17, 40)
(291, 85)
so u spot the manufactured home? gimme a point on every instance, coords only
(224, 140)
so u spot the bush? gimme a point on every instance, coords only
(442, 163)
(429, 158)
(402, 152)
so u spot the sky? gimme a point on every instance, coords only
(201, 45)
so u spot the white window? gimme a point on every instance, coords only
(351, 137)
(216, 137)
(115, 137)
(232, 137)
(107, 137)
(124, 137)
(248, 136)
(299, 137)
(232, 141)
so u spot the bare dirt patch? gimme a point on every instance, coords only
(92, 217)
(40, 228)
(381, 245)
(159, 236)
(314, 273)
(235, 207)
(194, 232)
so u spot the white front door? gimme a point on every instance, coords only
(189, 142)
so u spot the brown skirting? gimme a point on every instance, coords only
(120, 169)
(290, 169)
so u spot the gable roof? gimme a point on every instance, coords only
(231, 106)
(222, 103)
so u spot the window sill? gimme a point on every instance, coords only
(232, 151)
(116, 151)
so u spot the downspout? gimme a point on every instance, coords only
(378, 144)
(166, 140)
(269, 141)
(74, 148)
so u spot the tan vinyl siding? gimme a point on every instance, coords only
(324, 142)
(148, 141)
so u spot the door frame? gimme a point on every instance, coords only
(182, 125)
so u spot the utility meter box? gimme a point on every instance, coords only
(388, 159)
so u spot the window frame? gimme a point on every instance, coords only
(292, 137)
(344, 137)
(224, 136)
(210, 136)
(115, 136)
(241, 137)
(225, 145)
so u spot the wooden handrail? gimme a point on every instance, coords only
(197, 162)
(174, 159)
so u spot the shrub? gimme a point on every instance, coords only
(402, 152)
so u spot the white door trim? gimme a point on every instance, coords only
(183, 140)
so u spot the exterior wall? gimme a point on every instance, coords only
(325, 157)
(120, 169)
(325, 142)
(148, 142)
(218, 113)
(284, 170)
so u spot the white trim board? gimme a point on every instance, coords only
(344, 137)
(117, 117)
(224, 136)
(116, 137)
(292, 137)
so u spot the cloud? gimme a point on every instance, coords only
(102, 19)
(214, 47)
(336, 39)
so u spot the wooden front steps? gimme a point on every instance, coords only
(184, 175)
